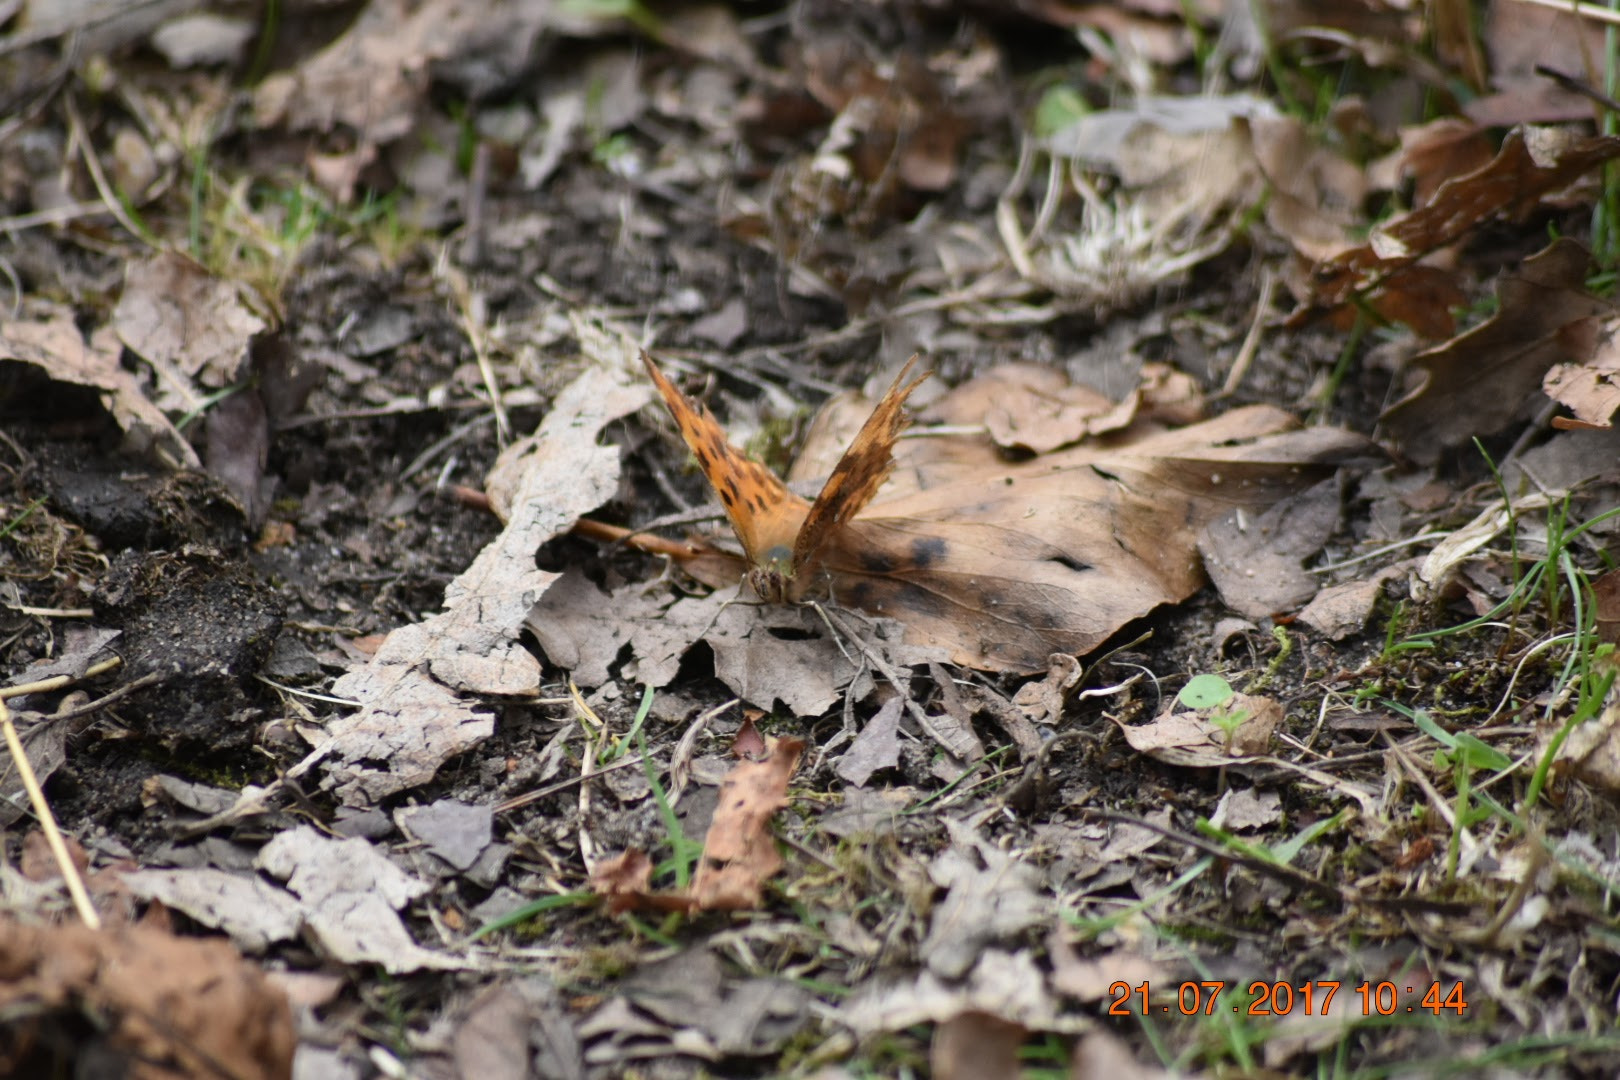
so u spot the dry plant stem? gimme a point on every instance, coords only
(55, 215)
(1585, 11)
(592, 724)
(537, 794)
(641, 541)
(47, 822)
(1515, 899)
(1251, 341)
(1441, 805)
(55, 613)
(680, 761)
(56, 682)
(149, 679)
(471, 309)
(472, 252)
(109, 197)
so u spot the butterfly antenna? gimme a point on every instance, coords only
(735, 598)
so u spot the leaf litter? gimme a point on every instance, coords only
(844, 859)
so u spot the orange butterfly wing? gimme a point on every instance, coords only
(767, 517)
(858, 474)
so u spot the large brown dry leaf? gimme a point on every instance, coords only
(1004, 567)
(47, 336)
(990, 564)
(417, 707)
(160, 1007)
(1477, 383)
(1533, 165)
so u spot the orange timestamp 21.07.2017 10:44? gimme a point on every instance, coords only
(1262, 998)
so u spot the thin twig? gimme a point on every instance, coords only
(1251, 341)
(1584, 11)
(107, 699)
(56, 682)
(47, 821)
(562, 785)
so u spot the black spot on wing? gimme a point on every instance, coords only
(875, 561)
(926, 550)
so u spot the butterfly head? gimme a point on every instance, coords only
(772, 579)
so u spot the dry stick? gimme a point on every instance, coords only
(537, 794)
(92, 163)
(1587, 11)
(47, 821)
(1251, 341)
(107, 699)
(472, 251)
(470, 309)
(1281, 871)
(56, 682)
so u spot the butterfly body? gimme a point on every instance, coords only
(783, 537)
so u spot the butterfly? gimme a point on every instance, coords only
(784, 537)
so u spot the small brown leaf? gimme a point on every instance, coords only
(739, 854)
(624, 880)
(972, 1045)
(1195, 740)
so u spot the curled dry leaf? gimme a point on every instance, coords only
(162, 1006)
(46, 336)
(1478, 382)
(1534, 165)
(1590, 386)
(1197, 740)
(624, 881)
